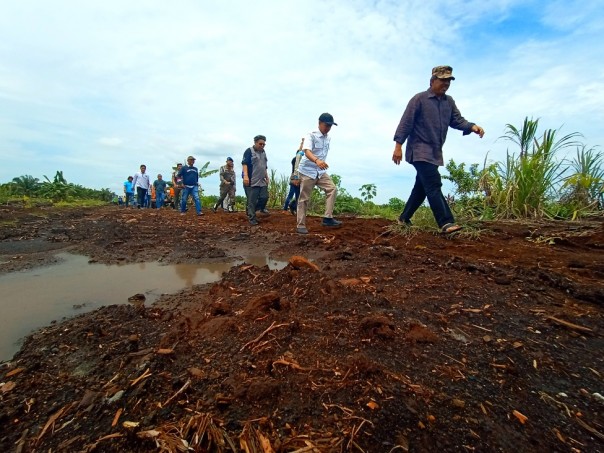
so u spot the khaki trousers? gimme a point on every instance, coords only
(307, 184)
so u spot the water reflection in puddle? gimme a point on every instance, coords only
(34, 298)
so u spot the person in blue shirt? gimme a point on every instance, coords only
(190, 181)
(129, 191)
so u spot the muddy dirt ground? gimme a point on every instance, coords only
(370, 339)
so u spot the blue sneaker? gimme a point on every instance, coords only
(329, 222)
(301, 230)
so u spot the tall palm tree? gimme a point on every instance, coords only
(25, 185)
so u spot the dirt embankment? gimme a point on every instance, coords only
(382, 342)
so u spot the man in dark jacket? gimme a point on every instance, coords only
(424, 126)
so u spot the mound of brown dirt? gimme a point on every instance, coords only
(388, 342)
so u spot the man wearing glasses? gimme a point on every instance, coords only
(424, 127)
(190, 181)
(255, 178)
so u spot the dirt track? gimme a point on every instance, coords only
(393, 342)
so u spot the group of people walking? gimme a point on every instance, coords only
(140, 186)
(423, 126)
(309, 169)
(185, 183)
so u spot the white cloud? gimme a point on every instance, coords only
(118, 84)
(111, 142)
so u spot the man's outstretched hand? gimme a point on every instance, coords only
(478, 130)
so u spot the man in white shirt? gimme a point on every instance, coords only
(141, 183)
(312, 171)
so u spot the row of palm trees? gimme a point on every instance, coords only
(57, 189)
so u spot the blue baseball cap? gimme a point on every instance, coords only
(229, 159)
(327, 119)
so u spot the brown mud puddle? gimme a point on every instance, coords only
(385, 343)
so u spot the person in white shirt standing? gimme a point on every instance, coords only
(141, 183)
(312, 171)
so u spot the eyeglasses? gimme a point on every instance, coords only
(260, 144)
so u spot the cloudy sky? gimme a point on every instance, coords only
(95, 88)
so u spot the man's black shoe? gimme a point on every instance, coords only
(329, 222)
(253, 222)
(265, 211)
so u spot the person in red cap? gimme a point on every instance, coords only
(312, 171)
(424, 127)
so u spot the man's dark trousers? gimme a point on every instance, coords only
(428, 184)
(257, 197)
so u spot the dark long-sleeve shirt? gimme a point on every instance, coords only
(424, 126)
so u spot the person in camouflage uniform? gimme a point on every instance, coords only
(227, 186)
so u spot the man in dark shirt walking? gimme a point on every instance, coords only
(424, 126)
(160, 191)
(190, 180)
(255, 178)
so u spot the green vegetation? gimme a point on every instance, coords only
(30, 191)
(368, 192)
(535, 183)
(345, 202)
(204, 172)
(278, 187)
(527, 185)
(583, 189)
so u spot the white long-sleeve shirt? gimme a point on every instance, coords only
(141, 180)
